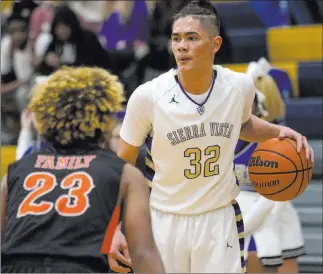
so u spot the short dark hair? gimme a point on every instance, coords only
(202, 9)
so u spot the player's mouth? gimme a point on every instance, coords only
(184, 60)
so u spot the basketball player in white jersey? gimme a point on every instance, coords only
(191, 119)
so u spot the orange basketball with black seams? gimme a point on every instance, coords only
(277, 171)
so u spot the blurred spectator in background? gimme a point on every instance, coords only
(91, 14)
(40, 25)
(125, 34)
(71, 45)
(16, 69)
(160, 33)
(42, 17)
(129, 22)
(272, 97)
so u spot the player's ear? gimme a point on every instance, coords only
(216, 43)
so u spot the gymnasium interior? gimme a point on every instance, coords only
(288, 34)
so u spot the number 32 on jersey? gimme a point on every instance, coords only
(209, 167)
(74, 203)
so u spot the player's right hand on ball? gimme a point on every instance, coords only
(119, 253)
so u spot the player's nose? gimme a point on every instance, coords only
(182, 49)
(182, 46)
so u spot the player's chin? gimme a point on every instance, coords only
(185, 65)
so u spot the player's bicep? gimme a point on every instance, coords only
(137, 122)
(136, 212)
(128, 152)
(3, 203)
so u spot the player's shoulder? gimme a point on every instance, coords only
(239, 80)
(157, 87)
(109, 155)
(21, 166)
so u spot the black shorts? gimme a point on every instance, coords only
(36, 264)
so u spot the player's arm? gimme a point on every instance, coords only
(136, 218)
(4, 191)
(136, 125)
(128, 152)
(257, 130)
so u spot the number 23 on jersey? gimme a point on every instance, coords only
(74, 203)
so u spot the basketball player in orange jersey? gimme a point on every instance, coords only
(191, 119)
(58, 201)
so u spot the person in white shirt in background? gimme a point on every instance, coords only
(16, 72)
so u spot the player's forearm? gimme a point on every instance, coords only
(148, 261)
(257, 130)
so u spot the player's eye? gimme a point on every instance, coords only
(192, 38)
(175, 39)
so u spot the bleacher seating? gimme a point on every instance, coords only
(296, 43)
(245, 31)
(306, 116)
(310, 79)
(238, 15)
(272, 13)
(309, 207)
(247, 44)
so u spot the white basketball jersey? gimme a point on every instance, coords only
(190, 145)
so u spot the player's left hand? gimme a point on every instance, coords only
(301, 141)
(119, 253)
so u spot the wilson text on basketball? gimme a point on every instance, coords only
(258, 162)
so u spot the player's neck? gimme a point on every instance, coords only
(196, 82)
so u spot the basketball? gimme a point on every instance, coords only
(277, 171)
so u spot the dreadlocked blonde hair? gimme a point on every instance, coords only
(77, 105)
